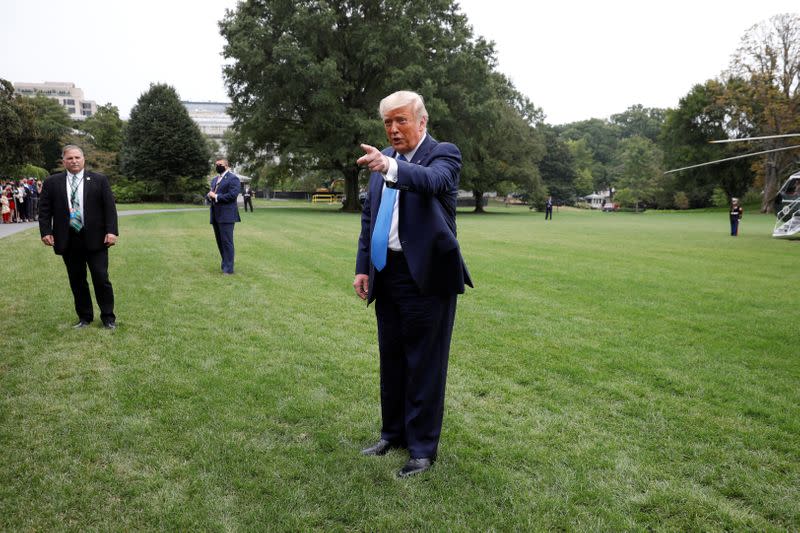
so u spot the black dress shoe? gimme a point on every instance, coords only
(379, 448)
(415, 466)
(81, 324)
(110, 325)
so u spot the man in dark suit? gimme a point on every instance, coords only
(78, 218)
(410, 263)
(224, 192)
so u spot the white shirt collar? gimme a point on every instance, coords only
(410, 155)
(79, 174)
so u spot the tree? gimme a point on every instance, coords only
(105, 127)
(639, 120)
(602, 139)
(583, 160)
(768, 59)
(305, 78)
(484, 107)
(703, 115)
(557, 168)
(52, 122)
(638, 164)
(18, 133)
(161, 143)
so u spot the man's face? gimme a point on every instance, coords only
(403, 129)
(73, 161)
(221, 162)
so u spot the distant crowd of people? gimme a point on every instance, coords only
(19, 199)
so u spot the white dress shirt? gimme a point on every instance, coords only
(391, 176)
(80, 192)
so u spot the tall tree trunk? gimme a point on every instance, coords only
(770, 183)
(351, 203)
(478, 196)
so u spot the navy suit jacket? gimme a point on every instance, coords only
(224, 209)
(99, 211)
(428, 190)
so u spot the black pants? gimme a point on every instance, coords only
(77, 258)
(248, 201)
(734, 226)
(414, 333)
(548, 213)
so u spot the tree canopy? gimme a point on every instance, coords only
(52, 122)
(161, 143)
(18, 133)
(306, 78)
(558, 167)
(638, 167)
(768, 103)
(105, 127)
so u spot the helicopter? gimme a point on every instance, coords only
(787, 199)
(787, 208)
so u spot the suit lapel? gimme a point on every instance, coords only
(422, 153)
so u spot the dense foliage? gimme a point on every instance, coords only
(305, 79)
(18, 133)
(162, 144)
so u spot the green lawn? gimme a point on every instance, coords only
(608, 372)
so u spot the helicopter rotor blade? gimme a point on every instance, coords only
(732, 158)
(756, 138)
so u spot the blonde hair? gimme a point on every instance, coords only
(402, 99)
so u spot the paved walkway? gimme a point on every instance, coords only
(10, 229)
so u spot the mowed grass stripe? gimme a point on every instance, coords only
(609, 371)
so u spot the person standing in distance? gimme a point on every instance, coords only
(410, 264)
(225, 188)
(248, 198)
(78, 218)
(735, 216)
(548, 208)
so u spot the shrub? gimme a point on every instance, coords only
(719, 198)
(680, 200)
(752, 197)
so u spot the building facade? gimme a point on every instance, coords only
(65, 93)
(211, 117)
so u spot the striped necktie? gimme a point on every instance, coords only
(75, 217)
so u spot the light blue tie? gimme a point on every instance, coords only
(383, 222)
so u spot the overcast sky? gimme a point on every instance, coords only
(574, 59)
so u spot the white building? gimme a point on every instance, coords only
(65, 93)
(211, 117)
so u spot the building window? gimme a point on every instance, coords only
(86, 113)
(71, 110)
(69, 101)
(84, 105)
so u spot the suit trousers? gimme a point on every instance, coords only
(223, 232)
(414, 332)
(77, 258)
(734, 226)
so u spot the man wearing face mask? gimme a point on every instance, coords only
(225, 188)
